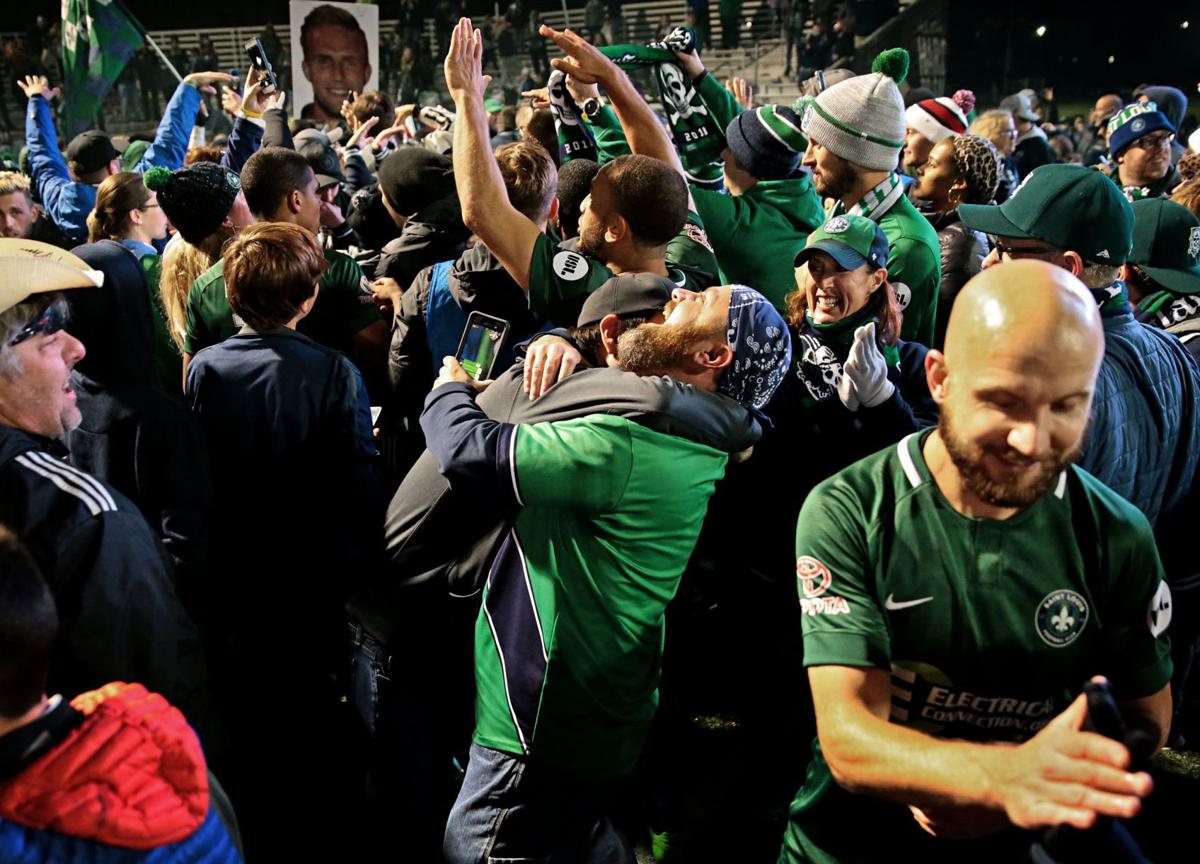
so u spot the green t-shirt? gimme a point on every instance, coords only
(989, 628)
(167, 359)
(756, 236)
(560, 280)
(344, 307)
(568, 643)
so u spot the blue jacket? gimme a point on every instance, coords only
(1144, 441)
(68, 202)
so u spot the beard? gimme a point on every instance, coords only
(837, 181)
(656, 349)
(591, 242)
(968, 458)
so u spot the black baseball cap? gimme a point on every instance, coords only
(323, 161)
(626, 296)
(91, 151)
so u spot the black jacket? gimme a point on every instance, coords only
(120, 618)
(477, 282)
(135, 436)
(963, 250)
(1032, 151)
(435, 233)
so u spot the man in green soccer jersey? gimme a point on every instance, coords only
(281, 187)
(957, 591)
(636, 219)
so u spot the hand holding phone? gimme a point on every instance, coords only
(480, 343)
(258, 59)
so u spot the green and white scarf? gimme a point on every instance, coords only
(696, 135)
(878, 201)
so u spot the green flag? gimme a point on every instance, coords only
(98, 38)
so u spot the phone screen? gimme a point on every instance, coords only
(258, 58)
(480, 344)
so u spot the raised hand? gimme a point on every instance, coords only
(463, 65)
(742, 90)
(583, 61)
(35, 85)
(867, 370)
(206, 82)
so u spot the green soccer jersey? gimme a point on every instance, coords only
(560, 280)
(568, 643)
(989, 628)
(344, 307)
(914, 260)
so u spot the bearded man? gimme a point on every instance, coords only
(957, 590)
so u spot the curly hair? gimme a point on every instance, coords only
(977, 161)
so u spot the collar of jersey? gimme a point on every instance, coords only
(910, 450)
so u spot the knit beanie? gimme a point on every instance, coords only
(1132, 122)
(767, 141)
(197, 198)
(413, 177)
(938, 119)
(862, 119)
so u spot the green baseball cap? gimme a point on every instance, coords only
(1068, 206)
(851, 241)
(1166, 244)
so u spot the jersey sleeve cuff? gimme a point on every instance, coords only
(843, 649)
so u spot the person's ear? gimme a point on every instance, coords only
(136, 216)
(1074, 262)
(610, 331)
(1125, 273)
(715, 358)
(552, 216)
(935, 375)
(616, 229)
(958, 191)
(878, 278)
(295, 201)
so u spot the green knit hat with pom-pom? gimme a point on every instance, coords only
(861, 119)
(196, 199)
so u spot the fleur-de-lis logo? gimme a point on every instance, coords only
(1063, 620)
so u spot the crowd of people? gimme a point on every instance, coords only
(886, 405)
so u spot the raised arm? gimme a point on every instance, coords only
(508, 233)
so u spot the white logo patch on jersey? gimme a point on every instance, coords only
(1158, 615)
(837, 225)
(570, 266)
(1061, 617)
(903, 295)
(893, 605)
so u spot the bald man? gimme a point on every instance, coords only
(958, 588)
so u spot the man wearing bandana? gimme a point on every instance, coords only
(113, 583)
(855, 133)
(605, 514)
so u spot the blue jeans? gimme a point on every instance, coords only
(511, 810)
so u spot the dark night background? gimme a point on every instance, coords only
(993, 47)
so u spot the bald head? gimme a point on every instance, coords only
(1030, 311)
(1015, 382)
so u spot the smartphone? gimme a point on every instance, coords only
(258, 59)
(480, 344)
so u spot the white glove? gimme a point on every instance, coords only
(864, 374)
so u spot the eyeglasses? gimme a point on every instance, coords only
(1015, 252)
(1009, 133)
(1149, 142)
(49, 321)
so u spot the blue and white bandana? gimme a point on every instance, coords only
(762, 349)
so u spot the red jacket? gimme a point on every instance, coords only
(132, 774)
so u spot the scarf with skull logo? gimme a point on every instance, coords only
(575, 138)
(821, 349)
(696, 135)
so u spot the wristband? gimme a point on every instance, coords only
(703, 74)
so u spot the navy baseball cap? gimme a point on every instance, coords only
(851, 241)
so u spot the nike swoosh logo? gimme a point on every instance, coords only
(892, 605)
